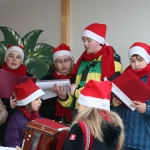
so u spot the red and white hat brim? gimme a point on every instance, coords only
(12, 48)
(30, 98)
(140, 51)
(62, 53)
(93, 36)
(94, 102)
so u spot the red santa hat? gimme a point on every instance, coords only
(16, 48)
(96, 32)
(96, 94)
(141, 49)
(62, 50)
(27, 92)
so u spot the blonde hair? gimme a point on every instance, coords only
(93, 119)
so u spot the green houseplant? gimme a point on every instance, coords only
(37, 55)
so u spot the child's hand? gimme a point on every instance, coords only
(116, 101)
(60, 91)
(13, 101)
(72, 89)
(18, 148)
(141, 107)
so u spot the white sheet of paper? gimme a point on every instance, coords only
(48, 94)
(47, 85)
(122, 96)
(7, 148)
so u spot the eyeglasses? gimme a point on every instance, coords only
(63, 61)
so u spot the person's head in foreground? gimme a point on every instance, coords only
(94, 110)
(28, 96)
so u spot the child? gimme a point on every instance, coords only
(3, 113)
(137, 122)
(28, 97)
(60, 69)
(12, 63)
(99, 60)
(105, 126)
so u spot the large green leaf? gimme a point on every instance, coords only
(37, 67)
(29, 41)
(10, 36)
(37, 61)
(45, 49)
(3, 48)
(41, 50)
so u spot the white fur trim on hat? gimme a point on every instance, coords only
(94, 102)
(93, 36)
(62, 53)
(12, 48)
(30, 98)
(140, 51)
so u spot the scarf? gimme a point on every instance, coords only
(29, 115)
(57, 76)
(21, 71)
(141, 73)
(108, 67)
(60, 110)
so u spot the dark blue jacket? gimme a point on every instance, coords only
(137, 125)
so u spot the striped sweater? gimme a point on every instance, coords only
(87, 71)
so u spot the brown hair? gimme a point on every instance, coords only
(29, 107)
(136, 55)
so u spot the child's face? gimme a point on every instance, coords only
(14, 60)
(91, 45)
(63, 64)
(81, 108)
(137, 62)
(36, 104)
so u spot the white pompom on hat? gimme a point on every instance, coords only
(11, 48)
(27, 92)
(96, 94)
(62, 50)
(96, 32)
(141, 49)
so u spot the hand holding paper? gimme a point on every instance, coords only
(141, 107)
(47, 85)
(61, 92)
(13, 102)
(119, 96)
(72, 89)
(124, 98)
(128, 87)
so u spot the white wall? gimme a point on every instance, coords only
(24, 16)
(127, 21)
